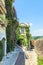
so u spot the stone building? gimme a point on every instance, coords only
(23, 31)
(2, 23)
(2, 7)
(2, 12)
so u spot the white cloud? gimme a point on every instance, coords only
(38, 32)
(30, 24)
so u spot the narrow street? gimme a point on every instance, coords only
(31, 57)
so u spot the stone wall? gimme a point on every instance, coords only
(39, 47)
(15, 57)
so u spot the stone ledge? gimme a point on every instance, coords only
(14, 58)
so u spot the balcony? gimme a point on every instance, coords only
(2, 2)
(2, 7)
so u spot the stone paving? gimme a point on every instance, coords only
(31, 58)
(20, 59)
(15, 57)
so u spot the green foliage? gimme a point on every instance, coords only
(12, 25)
(1, 50)
(26, 40)
(37, 37)
(8, 5)
(28, 35)
(2, 17)
(9, 32)
(17, 33)
(9, 16)
(40, 61)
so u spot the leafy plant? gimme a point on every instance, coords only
(1, 50)
(12, 25)
(40, 61)
(2, 17)
(26, 40)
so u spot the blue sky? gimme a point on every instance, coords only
(31, 11)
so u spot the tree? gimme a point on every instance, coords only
(1, 50)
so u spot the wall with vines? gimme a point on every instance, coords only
(12, 25)
(25, 40)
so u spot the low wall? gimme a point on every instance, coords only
(14, 58)
(20, 60)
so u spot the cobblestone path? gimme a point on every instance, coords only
(31, 58)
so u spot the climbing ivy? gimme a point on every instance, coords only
(1, 50)
(12, 25)
(4, 19)
(28, 35)
(25, 41)
(8, 5)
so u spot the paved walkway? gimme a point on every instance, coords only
(15, 57)
(0, 63)
(31, 58)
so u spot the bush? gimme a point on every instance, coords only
(40, 61)
(1, 50)
(10, 47)
(39, 47)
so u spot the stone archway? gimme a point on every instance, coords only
(19, 42)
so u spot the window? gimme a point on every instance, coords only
(22, 31)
